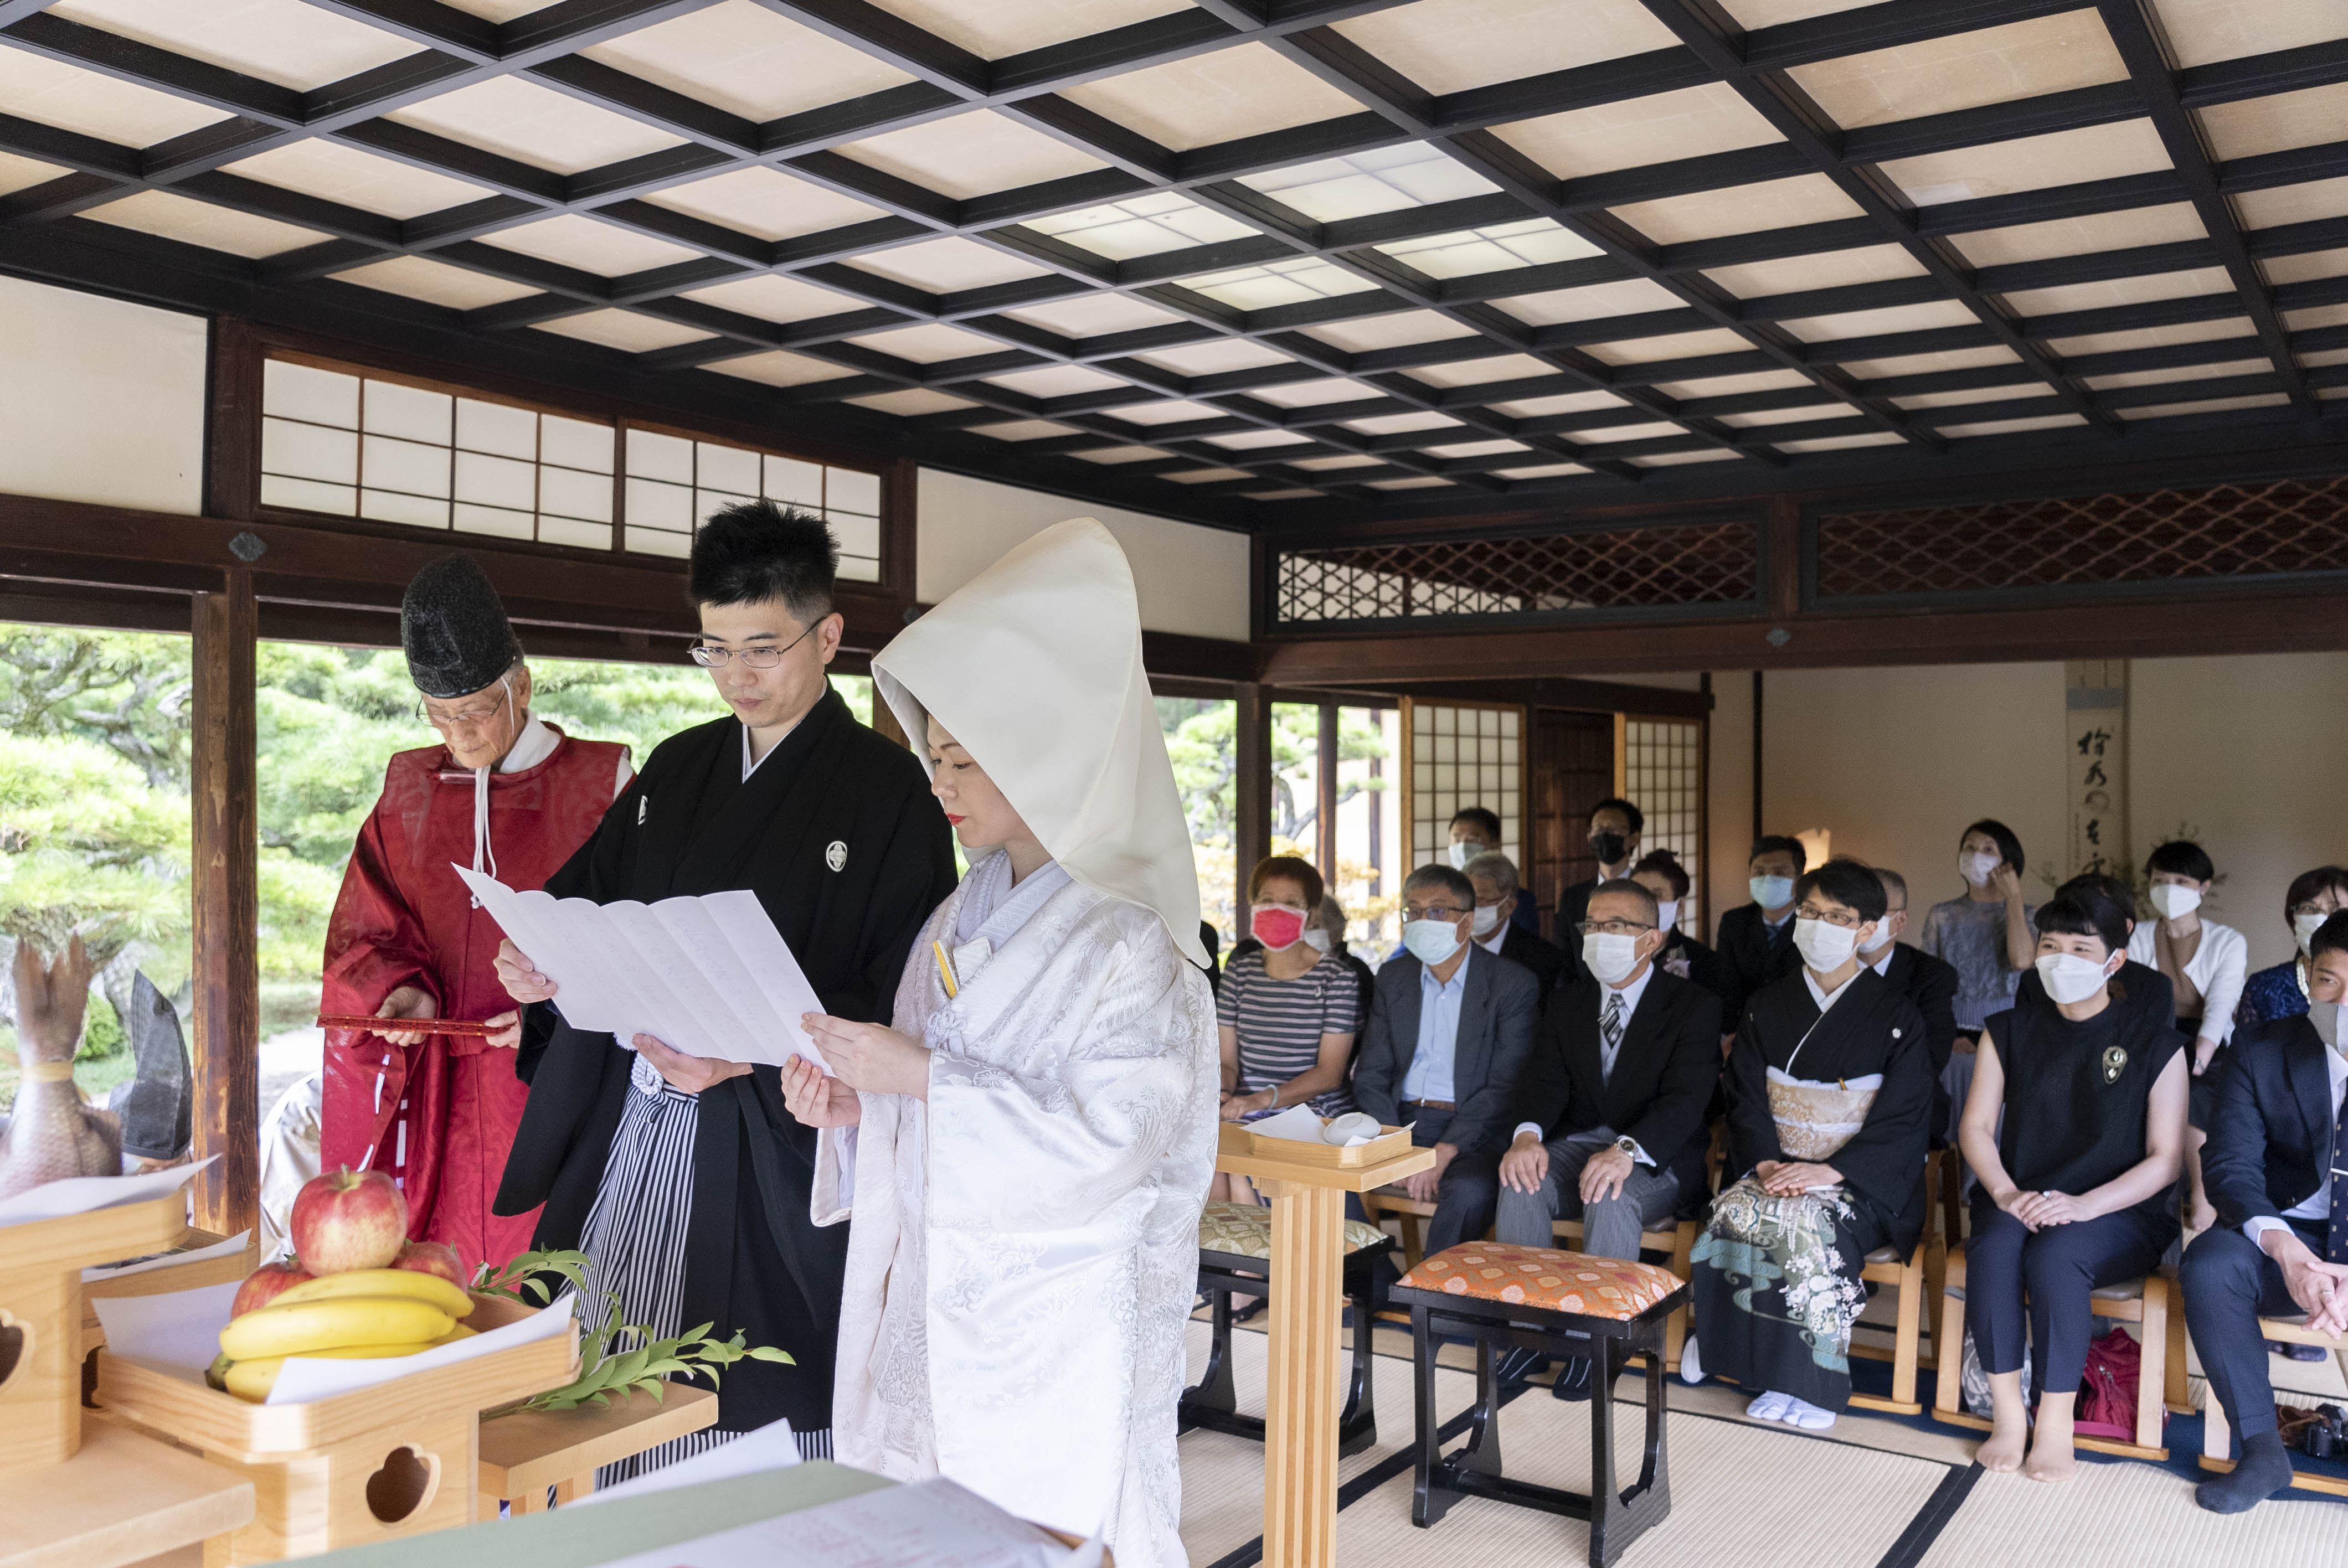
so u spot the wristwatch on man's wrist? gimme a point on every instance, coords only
(1629, 1146)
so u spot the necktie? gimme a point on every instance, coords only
(1610, 1035)
(2336, 1248)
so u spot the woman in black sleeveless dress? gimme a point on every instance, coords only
(2077, 1189)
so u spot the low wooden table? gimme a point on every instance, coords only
(1307, 1270)
(528, 1451)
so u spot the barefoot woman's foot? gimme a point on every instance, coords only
(2003, 1451)
(2051, 1461)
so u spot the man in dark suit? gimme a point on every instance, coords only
(2272, 1166)
(1614, 828)
(1611, 1107)
(1450, 1027)
(1755, 940)
(1928, 982)
(1494, 877)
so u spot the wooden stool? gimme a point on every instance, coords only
(524, 1453)
(2146, 1303)
(1675, 1242)
(2217, 1429)
(1408, 1214)
(1908, 1276)
(1235, 1238)
(1600, 1308)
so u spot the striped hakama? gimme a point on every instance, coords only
(634, 1242)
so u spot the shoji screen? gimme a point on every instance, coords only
(1458, 754)
(1659, 764)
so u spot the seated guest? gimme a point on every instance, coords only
(1829, 1097)
(1612, 1098)
(1327, 934)
(1287, 1012)
(1476, 830)
(2313, 897)
(1922, 979)
(1660, 872)
(1449, 1028)
(1985, 935)
(2206, 964)
(1495, 880)
(1614, 828)
(2076, 1133)
(2277, 1141)
(1755, 940)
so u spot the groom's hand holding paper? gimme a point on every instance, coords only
(706, 978)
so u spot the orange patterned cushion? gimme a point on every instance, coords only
(1544, 1277)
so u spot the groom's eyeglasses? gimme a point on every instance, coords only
(710, 658)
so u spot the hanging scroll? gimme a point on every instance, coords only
(2094, 702)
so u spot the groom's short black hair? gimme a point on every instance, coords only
(751, 552)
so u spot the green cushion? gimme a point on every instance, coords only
(1245, 1230)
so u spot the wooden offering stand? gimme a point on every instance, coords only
(528, 1451)
(397, 1459)
(78, 1496)
(1307, 1183)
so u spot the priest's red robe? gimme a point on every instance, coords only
(439, 1117)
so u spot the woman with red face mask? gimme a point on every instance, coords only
(1287, 1009)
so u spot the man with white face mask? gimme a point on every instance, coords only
(1476, 830)
(1611, 1107)
(1450, 1027)
(2278, 1142)
(1495, 880)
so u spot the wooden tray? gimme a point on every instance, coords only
(374, 1464)
(41, 1301)
(1390, 1142)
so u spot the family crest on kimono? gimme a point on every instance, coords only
(683, 1178)
(1829, 1093)
(1026, 1154)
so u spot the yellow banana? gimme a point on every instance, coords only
(306, 1328)
(429, 1287)
(458, 1332)
(252, 1381)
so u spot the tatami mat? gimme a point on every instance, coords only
(2130, 1516)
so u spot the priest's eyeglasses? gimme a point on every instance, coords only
(468, 718)
(710, 658)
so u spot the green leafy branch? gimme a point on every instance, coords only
(646, 1365)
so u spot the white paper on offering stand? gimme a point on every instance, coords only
(771, 1447)
(927, 1524)
(87, 1194)
(229, 1249)
(708, 975)
(1298, 1124)
(306, 1378)
(179, 1332)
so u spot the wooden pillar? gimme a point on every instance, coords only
(1251, 786)
(1758, 829)
(226, 897)
(1324, 778)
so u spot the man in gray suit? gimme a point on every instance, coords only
(1450, 1027)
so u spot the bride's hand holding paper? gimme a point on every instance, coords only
(866, 1056)
(818, 1100)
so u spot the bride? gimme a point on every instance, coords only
(1027, 1153)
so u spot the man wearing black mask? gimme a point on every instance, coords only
(1614, 827)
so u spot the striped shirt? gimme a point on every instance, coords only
(1281, 1022)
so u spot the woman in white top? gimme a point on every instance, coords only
(1026, 1154)
(2207, 963)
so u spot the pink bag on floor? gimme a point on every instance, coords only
(2106, 1407)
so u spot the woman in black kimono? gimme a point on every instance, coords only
(1829, 1105)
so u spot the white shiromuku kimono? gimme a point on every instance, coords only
(1017, 1322)
(1024, 1254)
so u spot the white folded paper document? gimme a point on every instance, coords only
(770, 1447)
(709, 976)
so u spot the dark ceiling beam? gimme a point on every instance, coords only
(2151, 63)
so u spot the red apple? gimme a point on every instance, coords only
(261, 1286)
(348, 1219)
(432, 1257)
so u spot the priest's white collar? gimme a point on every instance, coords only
(532, 746)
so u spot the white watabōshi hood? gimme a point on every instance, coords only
(1034, 667)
